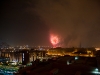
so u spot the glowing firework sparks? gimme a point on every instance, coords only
(54, 39)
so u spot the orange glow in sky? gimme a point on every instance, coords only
(54, 39)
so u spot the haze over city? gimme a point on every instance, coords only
(32, 22)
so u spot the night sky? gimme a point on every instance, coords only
(30, 22)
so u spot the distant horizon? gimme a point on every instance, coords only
(7, 45)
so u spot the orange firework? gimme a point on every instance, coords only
(54, 39)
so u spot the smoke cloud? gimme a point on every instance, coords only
(74, 21)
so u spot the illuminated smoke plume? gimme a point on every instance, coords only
(54, 39)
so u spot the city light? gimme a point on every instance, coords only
(96, 69)
(76, 58)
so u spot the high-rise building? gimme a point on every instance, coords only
(25, 57)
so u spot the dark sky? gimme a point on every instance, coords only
(31, 22)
